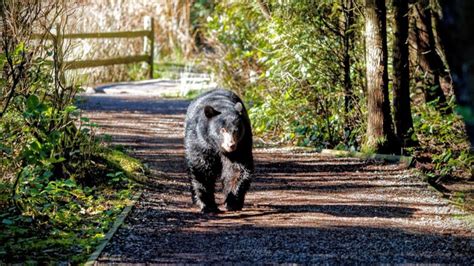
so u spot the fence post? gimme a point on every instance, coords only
(149, 43)
(152, 47)
(58, 47)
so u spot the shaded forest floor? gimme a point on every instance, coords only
(302, 207)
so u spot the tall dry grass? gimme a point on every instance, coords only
(172, 33)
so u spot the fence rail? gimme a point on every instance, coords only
(100, 35)
(107, 62)
(149, 35)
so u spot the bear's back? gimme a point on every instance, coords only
(219, 99)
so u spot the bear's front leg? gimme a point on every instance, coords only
(237, 178)
(203, 194)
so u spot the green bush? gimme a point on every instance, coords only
(291, 77)
(289, 69)
(43, 135)
(443, 139)
(59, 190)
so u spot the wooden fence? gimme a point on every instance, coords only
(148, 35)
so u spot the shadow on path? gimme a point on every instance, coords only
(142, 104)
(161, 236)
(300, 209)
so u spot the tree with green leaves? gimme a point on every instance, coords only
(308, 57)
(456, 28)
(422, 39)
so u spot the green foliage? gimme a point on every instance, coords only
(167, 70)
(62, 220)
(192, 94)
(137, 71)
(232, 31)
(200, 11)
(291, 75)
(126, 165)
(464, 200)
(290, 70)
(53, 147)
(59, 192)
(73, 220)
(443, 138)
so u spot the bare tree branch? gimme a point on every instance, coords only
(264, 8)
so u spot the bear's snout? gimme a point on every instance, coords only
(228, 143)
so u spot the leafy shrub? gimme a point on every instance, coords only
(231, 34)
(62, 193)
(40, 135)
(74, 218)
(291, 76)
(290, 70)
(443, 139)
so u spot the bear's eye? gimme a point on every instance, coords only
(223, 130)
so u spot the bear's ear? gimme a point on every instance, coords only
(239, 107)
(210, 112)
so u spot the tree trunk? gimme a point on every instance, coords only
(445, 78)
(401, 86)
(430, 62)
(456, 32)
(348, 36)
(380, 136)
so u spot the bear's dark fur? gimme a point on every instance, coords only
(218, 143)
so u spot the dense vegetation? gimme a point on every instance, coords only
(60, 187)
(302, 67)
(306, 69)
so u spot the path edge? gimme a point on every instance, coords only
(118, 222)
(405, 160)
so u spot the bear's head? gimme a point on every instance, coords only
(226, 128)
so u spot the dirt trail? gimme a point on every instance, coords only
(302, 207)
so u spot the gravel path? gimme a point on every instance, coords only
(302, 207)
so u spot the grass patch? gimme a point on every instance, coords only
(119, 160)
(165, 70)
(123, 164)
(193, 94)
(406, 160)
(468, 218)
(464, 200)
(190, 95)
(75, 219)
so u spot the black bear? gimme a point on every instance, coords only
(218, 143)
